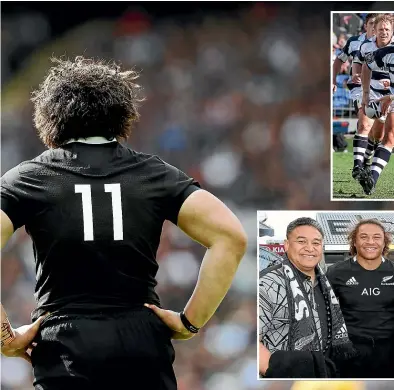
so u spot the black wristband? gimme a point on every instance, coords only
(191, 328)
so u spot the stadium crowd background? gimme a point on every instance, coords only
(237, 97)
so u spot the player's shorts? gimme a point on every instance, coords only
(356, 94)
(126, 350)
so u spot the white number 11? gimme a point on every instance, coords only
(87, 210)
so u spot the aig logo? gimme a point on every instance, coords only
(371, 291)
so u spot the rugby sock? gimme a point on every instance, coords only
(371, 147)
(360, 143)
(380, 160)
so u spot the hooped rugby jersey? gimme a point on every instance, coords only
(380, 76)
(350, 49)
(383, 58)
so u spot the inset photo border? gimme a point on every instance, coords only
(361, 167)
(363, 273)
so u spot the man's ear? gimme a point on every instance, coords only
(286, 243)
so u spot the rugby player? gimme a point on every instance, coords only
(381, 59)
(95, 210)
(364, 285)
(370, 131)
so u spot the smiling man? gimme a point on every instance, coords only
(300, 317)
(364, 285)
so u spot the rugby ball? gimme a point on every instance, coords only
(373, 111)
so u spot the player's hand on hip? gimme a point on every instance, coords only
(173, 320)
(22, 343)
(334, 88)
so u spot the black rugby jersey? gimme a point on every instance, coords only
(366, 297)
(95, 214)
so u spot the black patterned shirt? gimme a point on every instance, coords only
(274, 311)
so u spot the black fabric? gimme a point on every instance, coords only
(368, 306)
(97, 269)
(303, 334)
(320, 304)
(121, 350)
(322, 311)
(375, 360)
(300, 364)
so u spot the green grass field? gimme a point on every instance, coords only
(344, 186)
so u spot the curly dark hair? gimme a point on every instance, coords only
(353, 234)
(83, 98)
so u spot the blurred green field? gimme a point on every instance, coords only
(344, 186)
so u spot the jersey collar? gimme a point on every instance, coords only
(355, 259)
(363, 37)
(92, 140)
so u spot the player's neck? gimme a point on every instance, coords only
(367, 264)
(368, 36)
(380, 44)
(309, 272)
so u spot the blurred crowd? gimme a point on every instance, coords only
(239, 101)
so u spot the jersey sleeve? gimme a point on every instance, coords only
(359, 56)
(16, 197)
(371, 62)
(344, 54)
(178, 187)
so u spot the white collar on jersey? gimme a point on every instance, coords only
(355, 259)
(362, 37)
(92, 140)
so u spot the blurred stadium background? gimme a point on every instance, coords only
(237, 96)
(344, 26)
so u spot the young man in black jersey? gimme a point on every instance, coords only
(364, 285)
(95, 210)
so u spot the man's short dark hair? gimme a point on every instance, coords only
(370, 16)
(303, 221)
(353, 235)
(83, 98)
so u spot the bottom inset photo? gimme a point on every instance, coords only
(325, 294)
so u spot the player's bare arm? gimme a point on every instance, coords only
(366, 74)
(15, 342)
(356, 72)
(205, 219)
(336, 68)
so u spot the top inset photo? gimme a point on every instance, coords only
(362, 70)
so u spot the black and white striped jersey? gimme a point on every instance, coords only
(383, 59)
(350, 50)
(379, 75)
